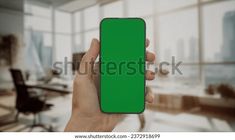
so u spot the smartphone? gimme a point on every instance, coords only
(122, 65)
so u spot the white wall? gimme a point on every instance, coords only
(11, 22)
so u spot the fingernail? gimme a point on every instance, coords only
(93, 41)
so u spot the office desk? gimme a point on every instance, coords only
(54, 87)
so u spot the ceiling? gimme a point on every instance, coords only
(54, 3)
(19, 4)
(75, 5)
(16, 5)
(65, 5)
(70, 5)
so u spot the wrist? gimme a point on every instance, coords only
(80, 123)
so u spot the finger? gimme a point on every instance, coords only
(88, 59)
(149, 97)
(150, 56)
(149, 75)
(96, 76)
(147, 43)
(93, 51)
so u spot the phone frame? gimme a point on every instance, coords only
(100, 53)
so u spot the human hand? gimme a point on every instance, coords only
(86, 114)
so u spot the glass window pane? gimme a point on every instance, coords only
(207, 0)
(150, 32)
(78, 44)
(78, 40)
(225, 76)
(174, 83)
(63, 47)
(219, 31)
(47, 39)
(108, 10)
(38, 10)
(166, 5)
(140, 7)
(178, 36)
(91, 16)
(89, 36)
(77, 19)
(37, 23)
(62, 22)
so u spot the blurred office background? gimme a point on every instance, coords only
(201, 33)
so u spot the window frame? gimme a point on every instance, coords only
(155, 16)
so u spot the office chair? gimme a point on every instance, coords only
(27, 104)
(76, 60)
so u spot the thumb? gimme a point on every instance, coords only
(89, 58)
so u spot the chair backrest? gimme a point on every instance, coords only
(21, 89)
(76, 59)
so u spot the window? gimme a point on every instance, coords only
(62, 22)
(41, 34)
(63, 39)
(38, 18)
(137, 8)
(150, 32)
(218, 43)
(63, 53)
(174, 28)
(77, 22)
(38, 23)
(218, 74)
(167, 5)
(86, 25)
(38, 10)
(78, 43)
(207, 0)
(178, 36)
(91, 17)
(89, 36)
(38, 37)
(219, 32)
(47, 39)
(77, 36)
(108, 9)
(63, 47)
(78, 40)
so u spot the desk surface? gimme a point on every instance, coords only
(54, 87)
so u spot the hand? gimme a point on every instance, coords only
(86, 114)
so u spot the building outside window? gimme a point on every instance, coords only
(200, 33)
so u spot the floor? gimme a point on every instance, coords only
(155, 121)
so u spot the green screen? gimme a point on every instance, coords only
(122, 60)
